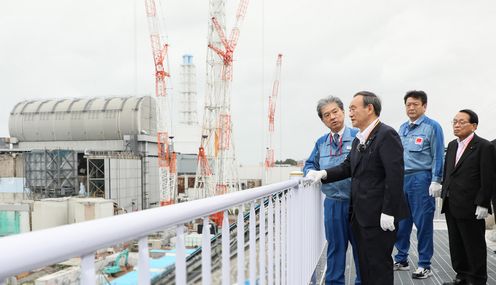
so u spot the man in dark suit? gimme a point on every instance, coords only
(375, 165)
(468, 182)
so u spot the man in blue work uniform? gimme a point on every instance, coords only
(330, 150)
(423, 144)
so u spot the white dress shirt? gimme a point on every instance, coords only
(363, 136)
(462, 145)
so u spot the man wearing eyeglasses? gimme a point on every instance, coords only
(330, 150)
(423, 144)
(376, 167)
(468, 183)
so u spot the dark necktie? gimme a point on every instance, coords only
(335, 139)
(411, 126)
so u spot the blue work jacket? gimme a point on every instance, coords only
(325, 155)
(424, 147)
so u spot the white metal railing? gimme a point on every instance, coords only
(291, 237)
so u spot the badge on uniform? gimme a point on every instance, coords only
(419, 140)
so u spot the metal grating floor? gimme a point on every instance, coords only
(441, 264)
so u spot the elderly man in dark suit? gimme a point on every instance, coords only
(468, 183)
(375, 165)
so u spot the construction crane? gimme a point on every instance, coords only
(204, 180)
(166, 157)
(217, 171)
(269, 158)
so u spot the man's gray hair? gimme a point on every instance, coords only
(328, 100)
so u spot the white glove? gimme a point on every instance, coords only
(481, 213)
(316, 175)
(387, 222)
(435, 189)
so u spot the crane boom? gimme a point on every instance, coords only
(217, 147)
(166, 159)
(269, 158)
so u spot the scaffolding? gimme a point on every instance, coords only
(96, 170)
(217, 143)
(50, 174)
(96, 177)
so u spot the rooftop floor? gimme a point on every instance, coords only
(441, 264)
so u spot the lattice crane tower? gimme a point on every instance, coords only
(269, 158)
(166, 157)
(217, 171)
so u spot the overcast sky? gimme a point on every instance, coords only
(62, 48)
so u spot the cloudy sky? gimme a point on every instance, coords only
(62, 48)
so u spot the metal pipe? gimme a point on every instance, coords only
(206, 253)
(253, 245)
(226, 262)
(270, 242)
(240, 241)
(88, 276)
(180, 256)
(262, 272)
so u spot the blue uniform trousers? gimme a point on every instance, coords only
(422, 206)
(338, 233)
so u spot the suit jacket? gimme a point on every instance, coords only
(471, 182)
(376, 177)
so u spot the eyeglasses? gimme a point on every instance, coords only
(461, 123)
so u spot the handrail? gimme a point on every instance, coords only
(32, 250)
(198, 251)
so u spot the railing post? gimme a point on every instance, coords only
(283, 238)
(296, 222)
(270, 242)
(261, 252)
(253, 245)
(143, 261)
(240, 241)
(226, 254)
(88, 276)
(290, 237)
(206, 253)
(300, 229)
(277, 240)
(180, 256)
(307, 209)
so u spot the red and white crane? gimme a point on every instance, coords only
(217, 171)
(269, 158)
(166, 157)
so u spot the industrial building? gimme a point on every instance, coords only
(93, 147)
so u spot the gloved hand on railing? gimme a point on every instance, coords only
(316, 175)
(435, 189)
(481, 213)
(387, 222)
